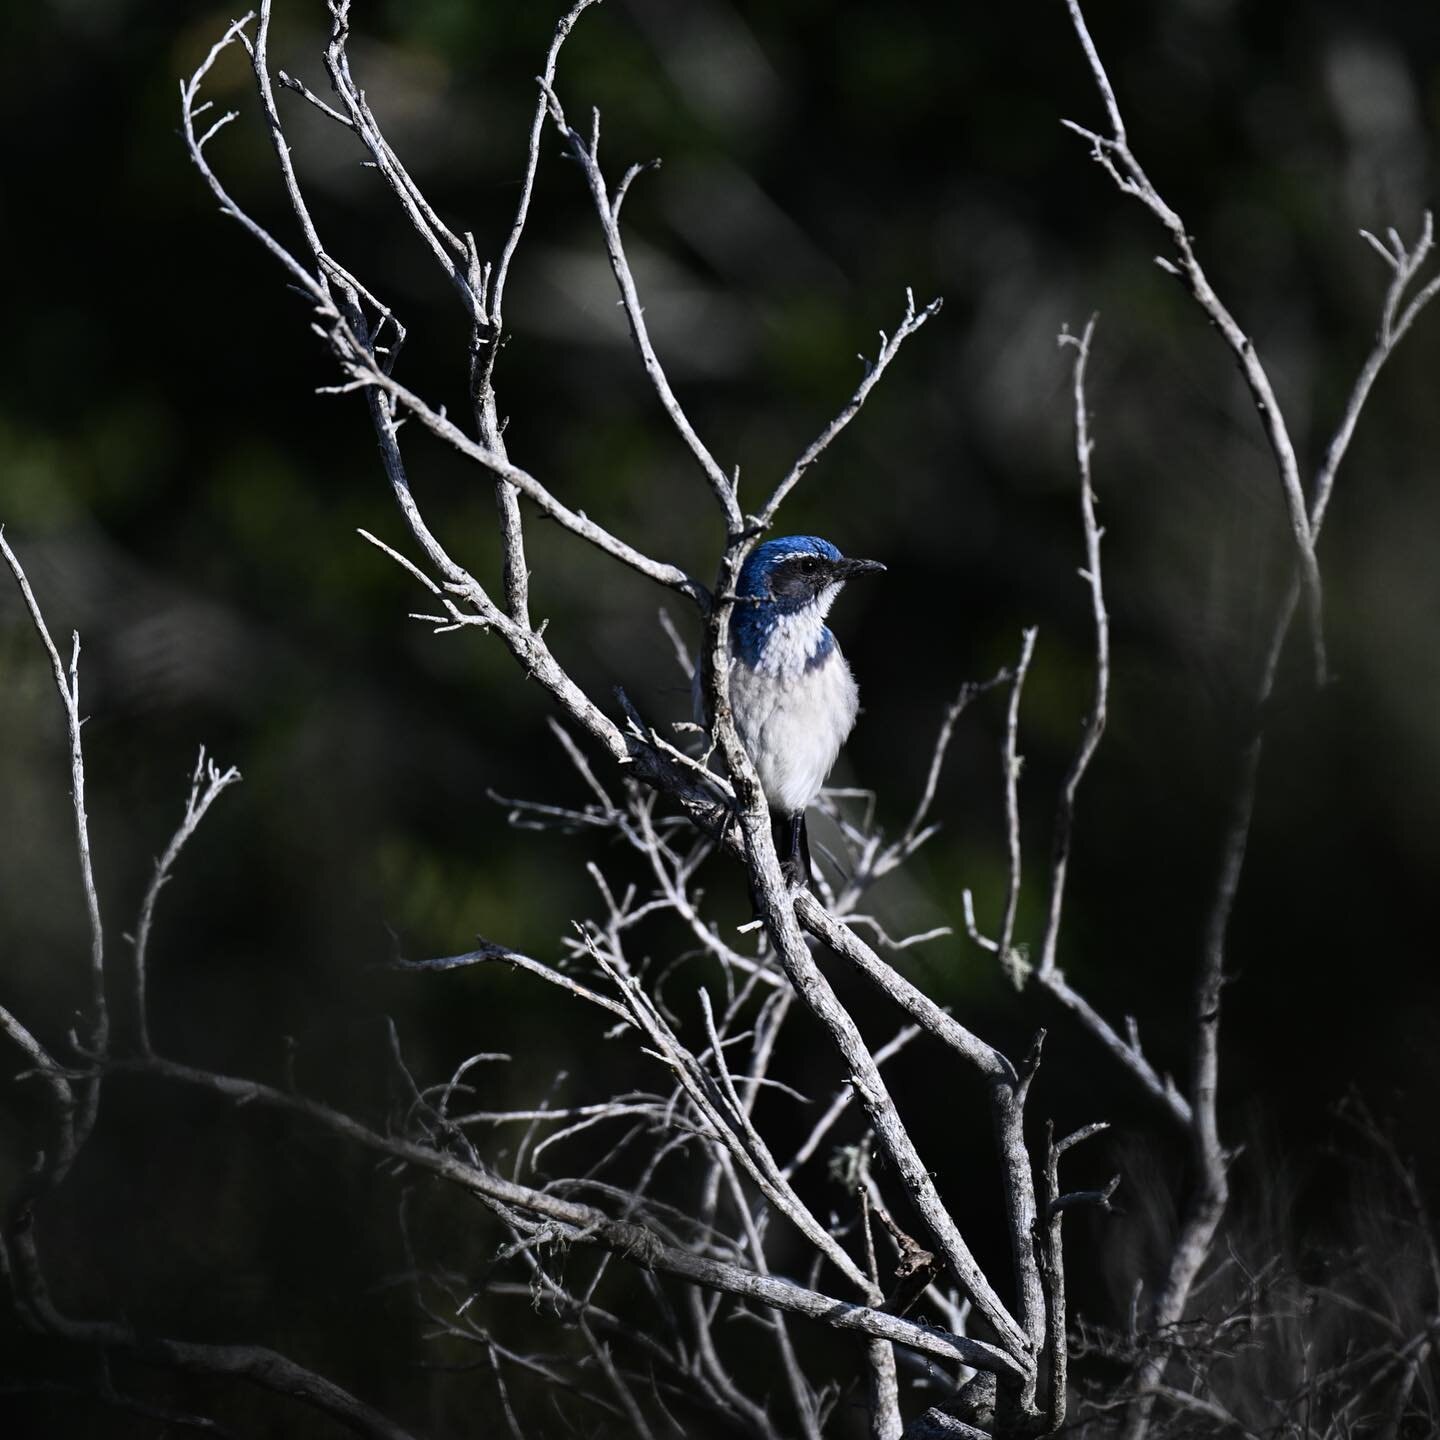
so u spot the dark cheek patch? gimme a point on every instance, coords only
(789, 582)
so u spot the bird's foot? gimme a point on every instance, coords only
(796, 873)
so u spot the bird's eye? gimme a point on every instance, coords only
(809, 567)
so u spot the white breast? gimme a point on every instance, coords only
(793, 721)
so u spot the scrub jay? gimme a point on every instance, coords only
(792, 694)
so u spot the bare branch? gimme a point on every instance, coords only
(355, 351)
(815, 990)
(717, 1063)
(486, 342)
(1207, 1203)
(527, 184)
(206, 785)
(618, 1384)
(1406, 265)
(730, 1122)
(586, 154)
(64, 1145)
(254, 1363)
(1095, 722)
(498, 954)
(1010, 958)
(682, 654)
(453, 256)
(1125, 1049)
(1012, 797)
(576, 521)
(301, 89)
(917, 831)
(841, 1102)
(889, 348)
(919, 1006)
(259, 55)
(189, 95)
(1113, 153)
(801, 1393)
(67, 685)
(581, 1224)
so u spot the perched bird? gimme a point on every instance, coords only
(792, 694)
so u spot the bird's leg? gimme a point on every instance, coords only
(796, 865)
(794, 854)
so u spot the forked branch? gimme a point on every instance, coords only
(1113, 153)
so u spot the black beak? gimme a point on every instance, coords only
(845, 569)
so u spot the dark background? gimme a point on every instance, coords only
(181, 496)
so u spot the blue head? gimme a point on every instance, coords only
(795, 576)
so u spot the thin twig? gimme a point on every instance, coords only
(1095, 722)
(206, 786)
(1012, 764)
(890, 345)
(586, 154)
(67, 686)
